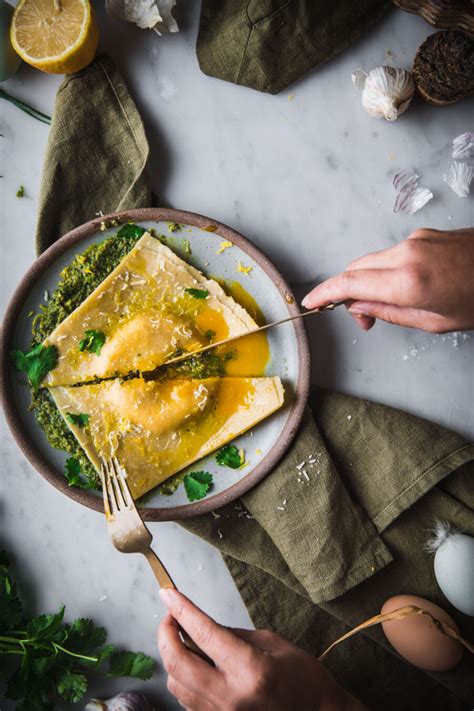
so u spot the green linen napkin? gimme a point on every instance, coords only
(97, 153)
(268, 44)
(311, 553)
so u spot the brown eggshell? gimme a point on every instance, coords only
(417, 639)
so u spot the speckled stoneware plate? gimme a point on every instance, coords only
(267, 442)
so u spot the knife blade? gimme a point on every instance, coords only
(265, 327)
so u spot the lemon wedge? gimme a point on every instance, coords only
(56, 36)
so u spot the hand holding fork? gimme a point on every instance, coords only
(129, 534)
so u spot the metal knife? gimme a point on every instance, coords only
(320, 309)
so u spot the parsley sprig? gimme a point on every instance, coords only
(80, 420)
(43, 659)
(93, 341)
(36, 363)
(75, 476)
(230, 456)
(131, 230)
(197, 293)
(197, 484)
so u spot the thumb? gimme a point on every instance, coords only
(218, 642)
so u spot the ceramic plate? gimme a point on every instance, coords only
(267, 442)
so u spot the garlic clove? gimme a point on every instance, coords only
(168, 23)
(147, 14)
(127, 701)
(406, 181)
(387, 92)
(459, 178)
(463, 145)
(411, 202)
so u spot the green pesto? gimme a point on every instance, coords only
(77, 282)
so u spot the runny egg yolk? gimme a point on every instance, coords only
(252, 353)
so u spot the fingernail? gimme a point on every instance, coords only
(305, 302)
(356, 311)
(168, 596)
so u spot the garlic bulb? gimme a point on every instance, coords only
(128, 701)
(148, 14)
(387, 92)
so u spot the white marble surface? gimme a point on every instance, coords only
(309, 180)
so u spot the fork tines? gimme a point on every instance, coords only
(115, 489)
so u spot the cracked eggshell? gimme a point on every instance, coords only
(418, 640)
(454, 571)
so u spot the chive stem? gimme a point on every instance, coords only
(25, 107)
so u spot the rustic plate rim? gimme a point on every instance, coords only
(301, 389)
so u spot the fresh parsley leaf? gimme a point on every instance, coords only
(131, 230)
(72, 687)
(230, 456)
(85, 637)
(73, 474)
(133, 664)
(21, 191)
(80, 420)
(48, 658)
(174, 226)
(209, 334)
(45, 627)
(93, 341)
(198, 293)
(11, 609)
(197, 484)
(36, 363)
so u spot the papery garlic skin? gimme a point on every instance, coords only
(358, 78)
(463, 146)
(126, 701)
(406, 181)
(388, 92)
(411, 202)
(147, 14)
(459, 178)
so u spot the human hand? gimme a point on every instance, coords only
(425, 282)
(255, 670)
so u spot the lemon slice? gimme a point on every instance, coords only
(56, 36)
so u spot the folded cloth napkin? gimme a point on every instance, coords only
(339, 526)
(268, 44)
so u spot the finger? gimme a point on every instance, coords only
(388, 285)
(364, 322)
(265, 640)
(219, 643)
(383, 258)
(187, 698)
(401, 316)
(183, 665)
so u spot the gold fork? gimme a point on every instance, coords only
(129, 534)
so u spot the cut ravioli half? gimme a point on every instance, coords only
(151, 307)
(156, 428)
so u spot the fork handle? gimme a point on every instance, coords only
(165, 581)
